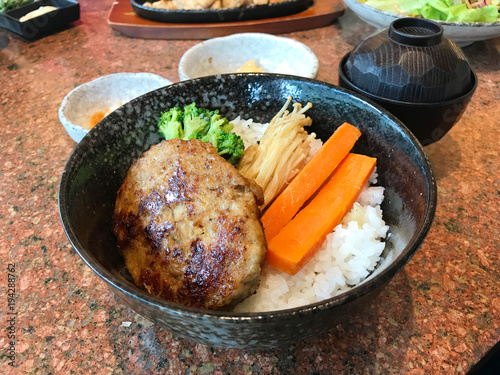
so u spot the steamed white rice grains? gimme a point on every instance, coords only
(348, 255)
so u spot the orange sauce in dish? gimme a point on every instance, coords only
(96, 117)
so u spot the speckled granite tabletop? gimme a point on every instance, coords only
(441, 314)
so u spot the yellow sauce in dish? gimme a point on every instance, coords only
(250, 67)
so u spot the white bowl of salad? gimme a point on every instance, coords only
(464, 22)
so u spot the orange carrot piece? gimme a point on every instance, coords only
(299, 240)
(309, 179)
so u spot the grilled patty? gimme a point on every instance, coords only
(188, 226)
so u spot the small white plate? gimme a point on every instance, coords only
(227, 54)
(102, 95)
(462, 33)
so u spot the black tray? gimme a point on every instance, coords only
(68, 11)
(256, 12)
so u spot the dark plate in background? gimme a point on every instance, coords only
(281, 9)
(67, 12)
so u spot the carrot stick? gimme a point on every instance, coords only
(309, 179)
(299, 240)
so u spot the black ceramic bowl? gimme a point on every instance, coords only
(411, 70)
(100, 161)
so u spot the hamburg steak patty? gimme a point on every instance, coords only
(187, 224)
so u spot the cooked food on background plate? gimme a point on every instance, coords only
(442, 10)
(189, 224)
(205, 4)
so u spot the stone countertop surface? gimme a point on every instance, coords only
(440, 314)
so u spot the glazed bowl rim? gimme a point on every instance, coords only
(371, 96)
(366, 286)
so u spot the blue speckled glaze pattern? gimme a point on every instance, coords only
(100, 161)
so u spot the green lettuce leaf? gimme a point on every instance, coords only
(441, 10)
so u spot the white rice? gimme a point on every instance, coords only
(249, 131)
(348, 255)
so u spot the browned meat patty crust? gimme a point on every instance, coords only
(188, 226)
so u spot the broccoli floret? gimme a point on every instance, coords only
(196, 121)
(218, 125)
(217, 122)
(170, 124)
(228, 145)
(203, 124)
(231, 147)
